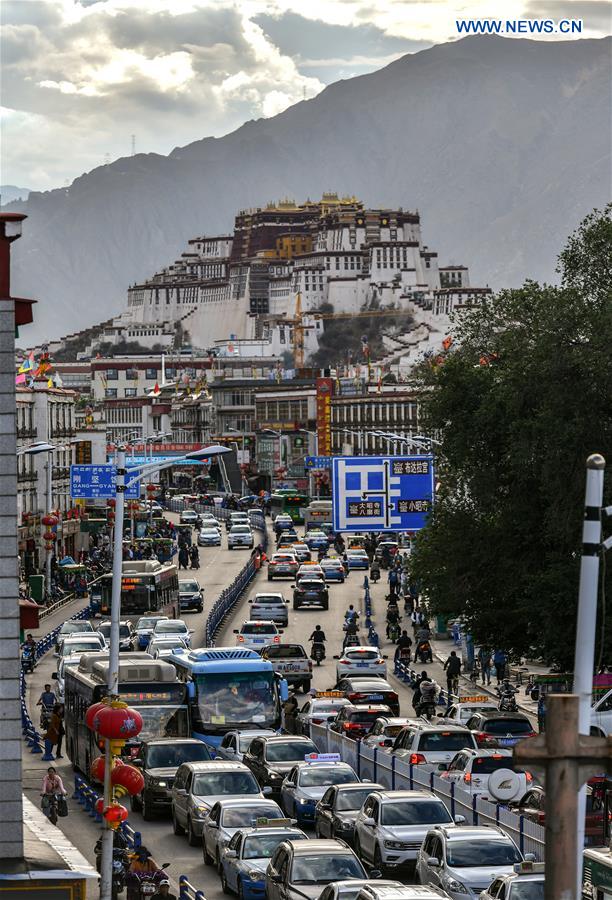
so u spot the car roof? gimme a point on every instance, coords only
(268, 594)
(368, 707)
(319, 845)
(245, 801)
(280, 829)
(217, 765)
(258, 622)
(256, 732)
(356, 785)
(171, 741)
(417, 796)
(360, 648)
(286, 737)
(429, 726)
(368, 680)
(460, 832)
(496, 714)
(490, 751)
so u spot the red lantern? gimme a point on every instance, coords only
(49, 520)
(128, 779)
(49, 536)
(100, 806)
(115, 814)
(151, 488)
(117, 723)
(91, 713)
(111, 503)
(96, 769)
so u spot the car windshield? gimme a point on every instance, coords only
(146, 622)
(188, 586)
(347, 800)
(445, 740)
(309, 584)
(263, 846)
(240, 529)
(79, 646)
(259, 628)
(289, 751)
(172, 626)
(487, 764)
(291, 652)
(330, 706)
(218, 784)
(414, 812)
(319, 869)
(234, 699)
(467, 712)
(508, 726)
(317, 777)
(163, 721)
(528, 890)
(171, 756)
(361, 655)
(487, 852)
(244, 741)
(124, 630)
(268, 600)
(71, 627)
(242, 818)
(364, 717)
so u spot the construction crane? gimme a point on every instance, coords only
(299, 330)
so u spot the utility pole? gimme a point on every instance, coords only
(568, 759)
(106, 866)
(586, 626)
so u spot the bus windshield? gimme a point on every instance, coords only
(235, 699)
(163, 721)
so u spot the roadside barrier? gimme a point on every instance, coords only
(187, 891)
(230, 595)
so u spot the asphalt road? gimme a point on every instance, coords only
(218, 568)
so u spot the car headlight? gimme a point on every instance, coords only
(455, 886)
(395, 845)
(343, 826)
(254, 875)
(304, 801)
(201, 811)
(156, 782)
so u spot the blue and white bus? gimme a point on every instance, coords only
(229, 688)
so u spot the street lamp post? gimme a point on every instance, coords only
(281, 437)
(358, 434)
(106, 865)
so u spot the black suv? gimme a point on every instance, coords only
(271, 758)
(501, 729)
(191, 595)
(337, 809)
(369, 690)
(310, 592)
(159, 760)
(355, 721)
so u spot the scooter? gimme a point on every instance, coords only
(318, 653)
(507, 701)
(393, 631)
(142, 885)
(28, 662)
(424, 652)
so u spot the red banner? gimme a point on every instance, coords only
(324, 392)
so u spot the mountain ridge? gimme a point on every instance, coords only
(497, 142)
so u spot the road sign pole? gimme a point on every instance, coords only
(584, 660)
(106, 867)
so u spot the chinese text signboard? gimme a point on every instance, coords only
(99, 483)
(324, 393)
(382, 493)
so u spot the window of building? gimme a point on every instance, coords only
(112, 375)
(110, 392)
(131, 375)
(131, 392)
(283, 411)
(151, 374)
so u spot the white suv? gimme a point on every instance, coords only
(464, 861)
(391, 825)
(432, 744)
(361, 661)
(257, 635)
(240, 536)
(489, 774)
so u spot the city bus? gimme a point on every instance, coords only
(318, 512)
(597, 873)
(229, 688)
(149, 685)
(289, 501)
(147, 586)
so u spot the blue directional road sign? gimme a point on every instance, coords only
(318, 462)
(99, 483)
(387, 493)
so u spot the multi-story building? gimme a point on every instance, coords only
(129, 377)
(362, 413)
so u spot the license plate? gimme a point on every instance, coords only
(507, 741)
(376, 696)
(361, 665)
(258, 640)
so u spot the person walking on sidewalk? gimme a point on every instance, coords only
(500, 661)
(484, 664)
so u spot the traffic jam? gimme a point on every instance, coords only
(230, 753)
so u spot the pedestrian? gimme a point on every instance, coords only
(484, 663)
(54, 733)
(183, 557)
(452, 667)
(393, 579)
(57, 720)
(500, 660)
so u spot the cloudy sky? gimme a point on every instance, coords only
(80, 77)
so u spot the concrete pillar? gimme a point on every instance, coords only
(11, 813)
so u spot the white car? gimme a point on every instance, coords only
(467, 706)
(601, 715)
(172, 628)
(82, 643)
(526, 883)
(391, 825)
(188, 517)
(235, 743)
(383, 732)
(240, 536)
(257, 635)
(227, 816)
(67, 662)
(144, 629)
(72, 626)
(489, 774)
(431, 744)
(465, 860)
(322, 709)
(361, 661)
(310, 570)
(162, 647)
(209, 536)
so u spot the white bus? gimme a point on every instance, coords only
(317, 513)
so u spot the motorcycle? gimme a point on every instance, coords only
(507, 701)
(142, 885)
(393, 631)
(318, 653)
(45, 717)
(424, 652)
(121, 865)
(374, 574)
(427, 709)
(28, 661)
(49, 805)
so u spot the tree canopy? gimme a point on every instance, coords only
(519, 401)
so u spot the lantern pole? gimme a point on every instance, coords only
(106, 867)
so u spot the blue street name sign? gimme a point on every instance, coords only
(372, 493)
(99, 483)
(318, 462)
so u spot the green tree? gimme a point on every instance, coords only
(520, 401)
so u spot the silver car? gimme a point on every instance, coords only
(391, 825)
(240, 536)
(226, 817)
(235, 743)
(464, 861)
(269, 607)
(199, 785)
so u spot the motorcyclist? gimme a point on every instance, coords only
(351, 615)
(404, 642)
(506, 691)
(429, 692)
(374, 572)
(142, 863)
(29, 643)
(385, 558)
(393, 617)
(318, 638)
(47, 700)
